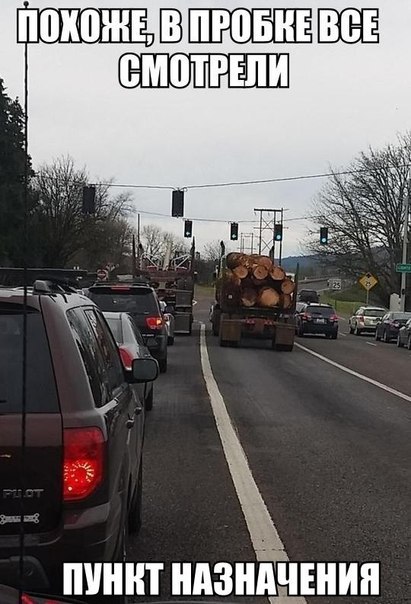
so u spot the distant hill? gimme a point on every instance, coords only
(308, 264)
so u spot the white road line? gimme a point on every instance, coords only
(356, 374)
(266, 542)
(371, 344)
(342, 334)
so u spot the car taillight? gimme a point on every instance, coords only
(83, 462)
(126, 357)
(306, 317)
(154, 322)
(334, 318)
(395, 324)
(361, 318)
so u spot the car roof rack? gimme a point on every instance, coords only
(14, 277)
(52, 286)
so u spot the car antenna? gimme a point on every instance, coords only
(24, 352)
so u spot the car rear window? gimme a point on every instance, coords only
(41, 393)
(401, 315)
(116, 329)
(137, 301)
(325, 311)
(374, 312)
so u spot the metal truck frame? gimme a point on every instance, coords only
(173, 279)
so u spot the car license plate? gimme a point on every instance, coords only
(320, 320)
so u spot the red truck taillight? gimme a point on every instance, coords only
(83, 462)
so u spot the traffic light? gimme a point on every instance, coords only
(89, 200)
(234, 231)
(278, 232)
(188, 228)
(324, 235)
(177, 204)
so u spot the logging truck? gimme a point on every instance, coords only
(255, 298)
(173, 279)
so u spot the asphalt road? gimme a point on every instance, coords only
(330, 454)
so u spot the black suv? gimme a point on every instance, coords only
(141, 302)
(317, 319)
(82, 484)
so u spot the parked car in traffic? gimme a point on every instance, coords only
(317, 319)
(308, 295)
(141, 302)
(169, 321)
(82, 457)
(390, 324)
(365, 319)
(404, 335)
(131, 346)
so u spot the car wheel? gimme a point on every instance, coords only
(162, 363)
(384, 337)
(399, 343)
(170, 341)
(300, 332)
(215, 329)
(334, 336)
(377, 338)
(409, 343)
(135, 513)
(357, 332)
(351, 330)
(148, 403)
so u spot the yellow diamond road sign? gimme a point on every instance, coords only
(368, 281)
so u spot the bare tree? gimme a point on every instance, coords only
(64, 233)
(155, 242)
(212, 251)
(363, 210)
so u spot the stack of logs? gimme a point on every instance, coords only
(255, 281)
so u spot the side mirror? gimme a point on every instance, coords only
(144, 370)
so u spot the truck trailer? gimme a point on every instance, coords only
(254, 299)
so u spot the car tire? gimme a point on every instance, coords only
(357, 332)
(162, 363)
(136, 505)
(351, 330)
(377, 338)
(300, 332)
(215, 329)
(384, 337)
(170, 341)
(334, 336)
(148, 403)
(409, 343)
(399, 343)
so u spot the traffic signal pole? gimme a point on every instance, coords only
(405, 247)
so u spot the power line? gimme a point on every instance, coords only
(239, 183)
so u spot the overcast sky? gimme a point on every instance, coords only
(342, 98)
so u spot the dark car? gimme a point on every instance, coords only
(404, 335)
(308, 295)
(317, 319)
(82, 485)
(389, 326)
(132, 346)
(141, 302)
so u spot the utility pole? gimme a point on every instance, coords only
(138, 243)
(405, 247)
